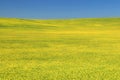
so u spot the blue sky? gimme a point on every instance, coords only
(48, 9)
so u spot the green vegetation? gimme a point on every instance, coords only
(74, 49)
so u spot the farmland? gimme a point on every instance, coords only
(66, 49)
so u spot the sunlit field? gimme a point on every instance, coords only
(71, 49)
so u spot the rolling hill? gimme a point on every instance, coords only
(66, 49)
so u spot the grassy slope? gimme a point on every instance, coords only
(76, 49)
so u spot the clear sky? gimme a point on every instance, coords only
(46, 9)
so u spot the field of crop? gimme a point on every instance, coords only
(73, 49)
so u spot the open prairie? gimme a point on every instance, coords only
(71, 49)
